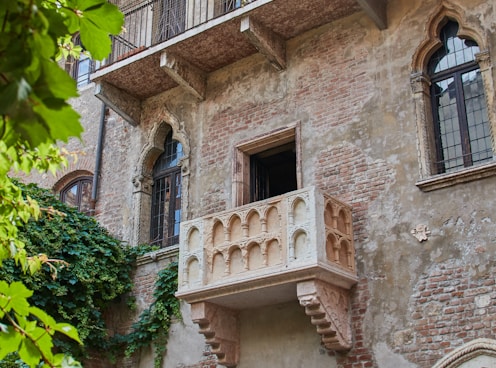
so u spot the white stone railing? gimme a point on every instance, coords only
(267, 242)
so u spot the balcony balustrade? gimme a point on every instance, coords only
(297, 246)
(148, 23)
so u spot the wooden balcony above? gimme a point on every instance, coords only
(147, 64)
(297, 246)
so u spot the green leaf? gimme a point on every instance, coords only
(17, 294)
(96, 41)
(105, 17)
(62, 123)
(48, 321)
(68, 330)
(12, 93)
(29, 353)
(9, 341)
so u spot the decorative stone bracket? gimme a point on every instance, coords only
(220, 327)
(329, 309)
(327, 305)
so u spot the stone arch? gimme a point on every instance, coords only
(217, 232)
(300, 243)
(299, 210)
(142, 180)
(255, 258)
(236, 261)
(218, 266)
(332, 244)
(420, 83)
(235, 227)
(254, 223)
(193, 270)
(69, 177)
(193, 237)
(444, 12)
(342, 222)
(467, 353)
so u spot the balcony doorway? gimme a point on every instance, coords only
(267, 166)
(273, 172)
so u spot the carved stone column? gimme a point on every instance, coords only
(420, 87)
(142, 208)
(484, 60)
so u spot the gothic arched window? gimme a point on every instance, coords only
(166, 195)
(460, 120)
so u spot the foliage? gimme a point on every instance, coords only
(34, 113)
(94, 271)
(154, 323)
(37, 327)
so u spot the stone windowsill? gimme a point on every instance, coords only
(464, 176)
(158, 255)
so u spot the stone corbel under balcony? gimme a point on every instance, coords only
(220, 327)
(329, 309)
(327, 306)
(186, 75)
(376, 10)
(127, 106)
(268, 43)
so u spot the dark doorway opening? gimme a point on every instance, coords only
(273, 172)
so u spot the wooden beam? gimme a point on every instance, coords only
(186, 75)
(127, 106)
(376, 10)
(268, 43)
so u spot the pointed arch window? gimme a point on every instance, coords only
(166, 195)
(461, 127)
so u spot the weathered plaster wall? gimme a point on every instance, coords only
(348, 85)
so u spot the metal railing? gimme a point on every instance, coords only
(151, 22)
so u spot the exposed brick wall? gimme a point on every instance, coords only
(344, 86)
(344, 171)
(360, 356)
(451, 306)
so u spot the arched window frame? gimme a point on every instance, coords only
(420, 82)
(162, 121)
(78, 183)
(166, 195)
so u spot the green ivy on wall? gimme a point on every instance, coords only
(154, 322)
(96, 270)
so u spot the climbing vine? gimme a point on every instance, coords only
(92, 271)
(154, 322)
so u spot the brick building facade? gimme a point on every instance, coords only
(268, 99)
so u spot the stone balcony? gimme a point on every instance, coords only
(150, 57)
(297, 246)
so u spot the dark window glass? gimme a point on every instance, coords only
(78, 194)
(461, 123)
(166, 195)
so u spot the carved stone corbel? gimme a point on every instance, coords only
(220, 327)
(143, 183)
(329, 309)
